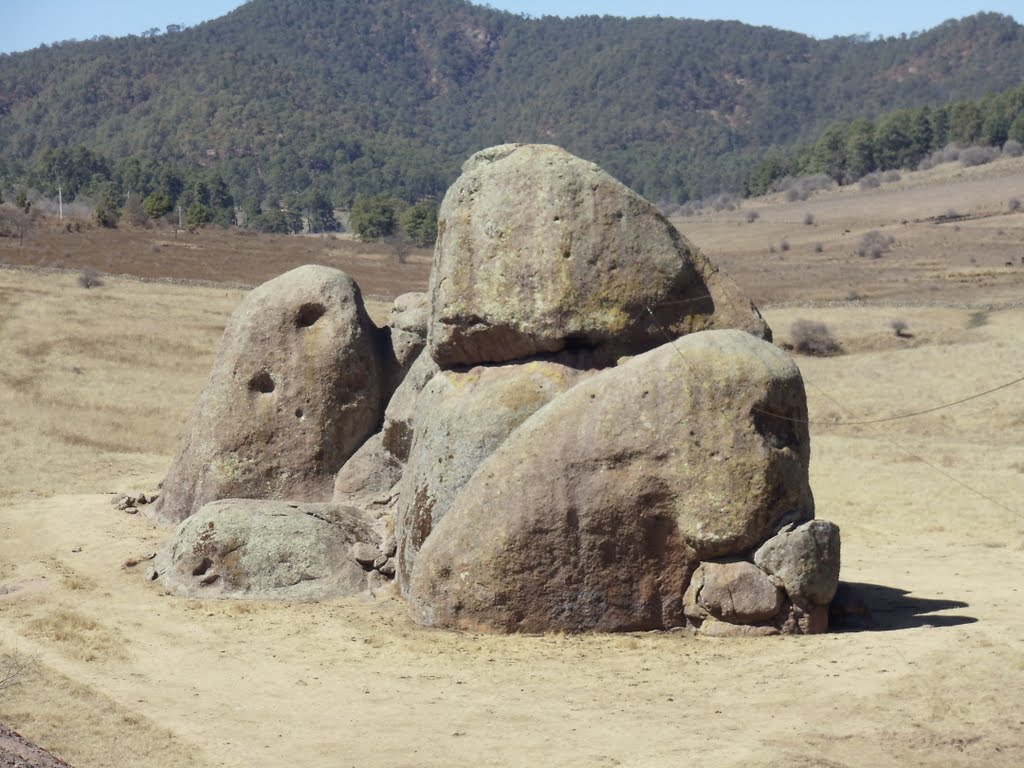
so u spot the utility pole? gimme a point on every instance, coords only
(60, 201)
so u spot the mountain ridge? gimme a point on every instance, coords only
(365, 96)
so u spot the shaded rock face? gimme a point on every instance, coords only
(463, 417)
(294, 391)
(540, 251)
(368, 480)
(595, 513)
(406, 334)
(269, 550)
(400, 414)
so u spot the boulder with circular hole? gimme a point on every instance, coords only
(294, 391)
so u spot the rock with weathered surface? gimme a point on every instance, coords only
(596, 511)
(406, 334)
(400, 414)
(294, 391)
(462, 418)
(368, 479)
(268, 550)
(540, 251)
(806, 559)
(736, 592)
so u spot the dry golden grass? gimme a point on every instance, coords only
(133, 677)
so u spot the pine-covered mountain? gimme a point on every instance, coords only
(365, 96)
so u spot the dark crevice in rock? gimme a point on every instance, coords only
(309, 313)
(262, 382)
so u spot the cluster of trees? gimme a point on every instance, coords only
(353, 99)
(141, 190)
(902, 139)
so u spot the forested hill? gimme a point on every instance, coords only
(366, 96)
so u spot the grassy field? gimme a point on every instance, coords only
(95, 386)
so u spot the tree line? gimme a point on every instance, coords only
(902, 139)
(359, 99)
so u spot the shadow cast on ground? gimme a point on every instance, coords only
(860, 607)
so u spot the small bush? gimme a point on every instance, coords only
(1013, 205)
(948, 154)
(819, 248)
(752, 216)
(784, 246)
(891, 176)
(1012, 148)
(15, 668)
(977, 156)
(871, 181)
(802, 187)
(900, 327)
(808, 219)
(813, 338)
(90, 278)
(874, 244)
(771, 249)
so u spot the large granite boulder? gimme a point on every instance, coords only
(540, 251)
(463, 418)
(269, 550)
(294, 391)
(596, 511)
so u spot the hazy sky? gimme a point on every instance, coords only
(26, 24)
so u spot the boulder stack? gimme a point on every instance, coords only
(583, 426)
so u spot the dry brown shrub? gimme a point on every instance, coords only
(813, 338)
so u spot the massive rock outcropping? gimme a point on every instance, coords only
(583, 427)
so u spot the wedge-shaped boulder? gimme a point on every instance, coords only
(268, 550)
(806, 559)
(462, 418)
(294, 391)
(595, 512)
(540, 251)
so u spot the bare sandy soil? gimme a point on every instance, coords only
(94, 388)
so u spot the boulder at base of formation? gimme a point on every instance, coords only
(595, 512)
(270, 550)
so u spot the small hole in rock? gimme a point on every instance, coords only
(299, 413)
(309, 314)
(262, 382)
(203, 567)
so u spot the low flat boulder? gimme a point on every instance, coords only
(295, 389)
(269, 550)
(540, 251)
(596, 511)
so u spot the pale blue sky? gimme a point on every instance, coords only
(26, 24)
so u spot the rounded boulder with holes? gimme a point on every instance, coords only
(294, 391)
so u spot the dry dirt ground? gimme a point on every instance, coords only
(95, 385)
